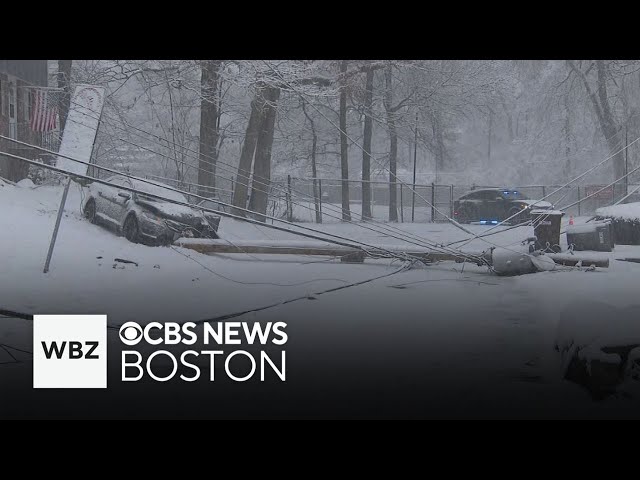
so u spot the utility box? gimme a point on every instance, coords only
(596, 236)
(546, 228)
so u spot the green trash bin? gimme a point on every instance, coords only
(546, 228)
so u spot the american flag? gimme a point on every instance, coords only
(44, 111)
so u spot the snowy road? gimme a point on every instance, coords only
(480, 329)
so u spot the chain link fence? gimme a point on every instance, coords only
(424, 203)
(294, 198)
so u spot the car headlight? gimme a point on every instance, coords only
(150, 216)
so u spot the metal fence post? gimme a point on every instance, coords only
(579, 202)
(433, 202)
(233, 186)
(401, 206)
(451, 201)
(320, 196)
(289, 206)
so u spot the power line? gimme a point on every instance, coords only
(423, 241)
(360, 245)
(217, 164)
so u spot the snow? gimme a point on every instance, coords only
(628, 211)
(25, 183)
(547, 212)
(586, 227)
(538, 203)
(453, 317)
(160, 191)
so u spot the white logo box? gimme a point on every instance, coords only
(77, 348)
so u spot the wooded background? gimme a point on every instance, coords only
(238, 125)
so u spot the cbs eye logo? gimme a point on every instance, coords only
(131, 333)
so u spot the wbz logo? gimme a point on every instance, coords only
(75, 350)
(69, 351)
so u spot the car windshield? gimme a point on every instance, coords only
(159, 191)
(513, 195)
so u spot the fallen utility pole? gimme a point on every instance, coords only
(292, 247)
(352, 255)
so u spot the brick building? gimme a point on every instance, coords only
(17, 81)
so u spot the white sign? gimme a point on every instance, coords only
(69, 351)
(81, 127)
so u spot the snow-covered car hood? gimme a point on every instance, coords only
(172, 210)
(538, 203)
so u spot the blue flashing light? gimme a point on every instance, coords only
(483, 222)
(494, 222)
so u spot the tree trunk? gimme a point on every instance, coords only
(64, 82)
(262, 164)
(344, 160)
(439, 145)
(608, 122)
(567, 139)
(393, 145)
(208, 126)
(246, 155)
(366, 153)
(314, 170)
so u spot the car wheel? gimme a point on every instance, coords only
(466, 214)
(130, 229)
(519, 215)
(90, 210)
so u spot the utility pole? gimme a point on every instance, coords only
(415, 156)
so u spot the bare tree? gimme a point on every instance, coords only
(209, 126)
(314, 168)
(344, 147)
(262, 162)
(254, 125)
(393, 143)
(366, 152)
(596, 89)
(64, 82)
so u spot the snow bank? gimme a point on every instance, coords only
(25, 183)
(627, 211)
(594, 324)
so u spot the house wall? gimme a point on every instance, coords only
(34, 72)
(24, 73)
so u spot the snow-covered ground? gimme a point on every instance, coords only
(439, 318)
